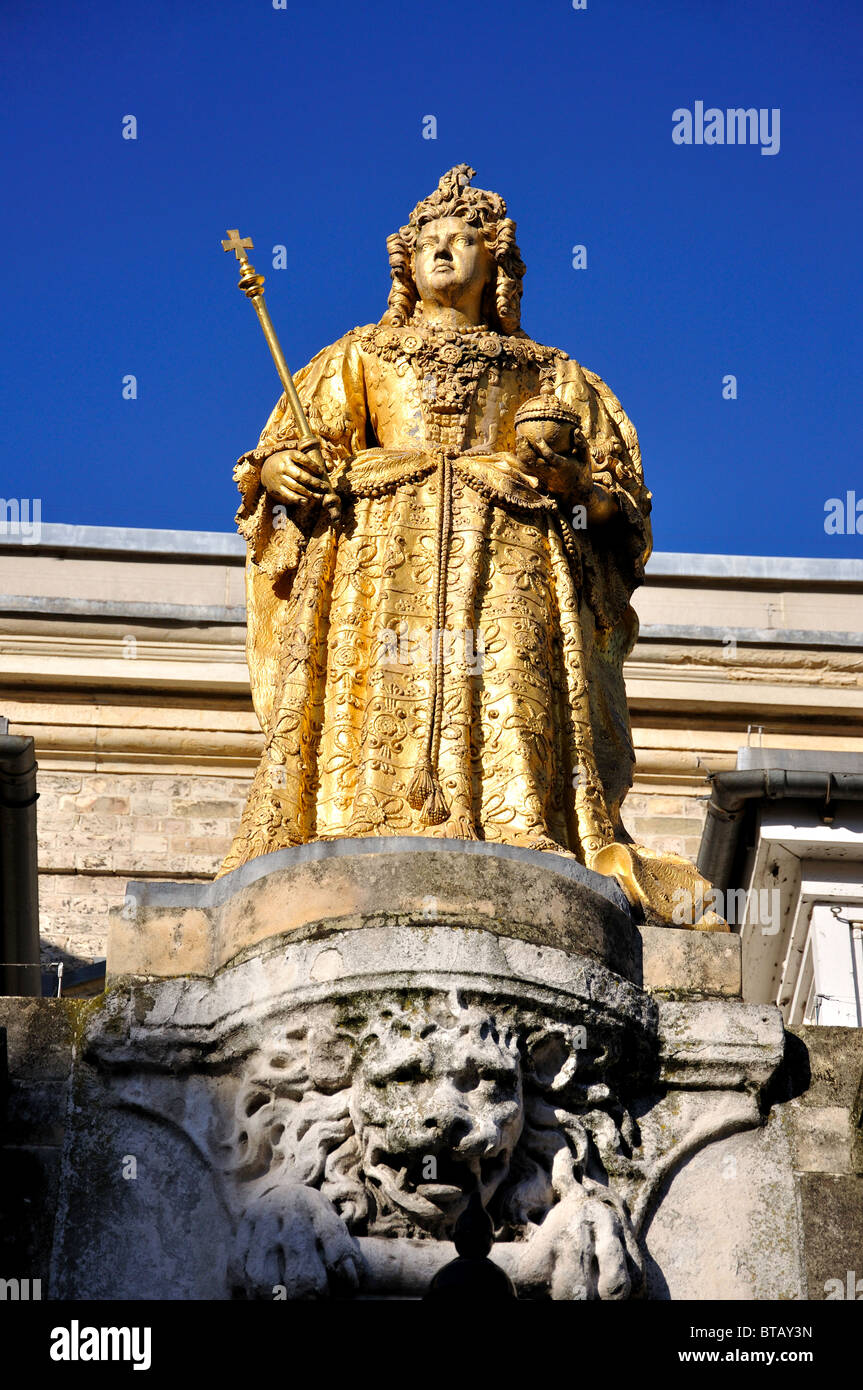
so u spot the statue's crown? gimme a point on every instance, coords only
(455, 197)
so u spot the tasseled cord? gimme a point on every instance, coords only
(425, 793)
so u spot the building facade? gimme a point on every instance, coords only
(123, 657)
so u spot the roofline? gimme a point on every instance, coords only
(227, 545)
(217, 545)
(767, 568)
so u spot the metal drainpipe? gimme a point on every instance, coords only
(20, 971)
(732, 791)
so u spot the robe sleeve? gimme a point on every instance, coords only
(332, 391)
(614, 553)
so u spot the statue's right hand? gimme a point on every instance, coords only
(293, 477)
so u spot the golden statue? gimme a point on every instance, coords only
(445, 658)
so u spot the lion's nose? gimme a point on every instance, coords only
(460, 1131)
(452, 1127)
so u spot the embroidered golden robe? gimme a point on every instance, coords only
(495, 596)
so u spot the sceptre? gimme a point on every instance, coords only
(252, 285)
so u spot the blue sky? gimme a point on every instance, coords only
(303, 127)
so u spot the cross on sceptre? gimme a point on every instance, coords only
(252, 285)
(238, 244)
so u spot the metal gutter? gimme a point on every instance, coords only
(734, 792)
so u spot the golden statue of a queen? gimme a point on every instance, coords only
(446, 658)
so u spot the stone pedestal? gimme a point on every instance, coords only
(301, 1071)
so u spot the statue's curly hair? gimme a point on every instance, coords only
(454, 197)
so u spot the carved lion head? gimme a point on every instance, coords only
(400, 1106)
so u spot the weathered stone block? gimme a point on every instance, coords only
(39, 1037)
(678, 961)
(831, 1207)
(318, 887)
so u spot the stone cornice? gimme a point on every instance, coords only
(149, 543)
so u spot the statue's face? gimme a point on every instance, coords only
(452, 263)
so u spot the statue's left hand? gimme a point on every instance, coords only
(564, 475)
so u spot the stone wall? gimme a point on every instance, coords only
(668, 821)
(99, 830)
